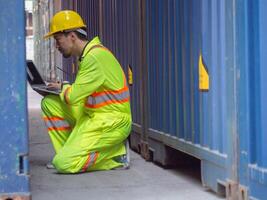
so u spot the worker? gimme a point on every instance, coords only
(89, 122)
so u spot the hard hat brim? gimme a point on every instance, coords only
(48, 35)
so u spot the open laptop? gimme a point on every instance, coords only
(36, 81)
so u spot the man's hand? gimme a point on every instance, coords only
(54, 85)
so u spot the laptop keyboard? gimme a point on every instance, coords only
(48, 88)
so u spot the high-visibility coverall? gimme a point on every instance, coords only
(90, 120)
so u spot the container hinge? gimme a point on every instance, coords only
(231, 190)
(234, 191)
(145, 152)
(243, 193)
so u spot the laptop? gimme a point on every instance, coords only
(36, 81)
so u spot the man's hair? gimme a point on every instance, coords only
(79, 35)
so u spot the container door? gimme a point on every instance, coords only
(252, 60)
(14, 179)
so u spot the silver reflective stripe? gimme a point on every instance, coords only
(57, 124)
(91, 100)
(108, 97)
(92, 159)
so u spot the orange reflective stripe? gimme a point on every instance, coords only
(52, 118)
(91, 160)
(66, 98)
(86, 163)
(59, 129)
(95, 94)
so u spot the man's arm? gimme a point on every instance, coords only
(89, 78)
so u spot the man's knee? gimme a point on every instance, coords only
(48, 100)
(63, 164)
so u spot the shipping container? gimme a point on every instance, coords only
(196, 74)
(181, 37)
(14, 165)
(251, 29)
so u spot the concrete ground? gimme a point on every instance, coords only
(144, 180)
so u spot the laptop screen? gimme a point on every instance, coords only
(33, 75)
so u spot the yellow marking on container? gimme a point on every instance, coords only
(203, 75)
(130, 75)
(73, 68)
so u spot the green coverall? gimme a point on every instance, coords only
(90, 119)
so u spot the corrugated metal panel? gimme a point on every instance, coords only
(121, 32)
(14, 178)
(46, 57)
(67, 4)
(175, 96)
(89, 10)
(109, 26)
(130, 52)
(177, 33)
(251, 40)
(117, 24)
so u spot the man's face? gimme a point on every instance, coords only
(63, 44)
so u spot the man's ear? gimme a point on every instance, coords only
(73, 35)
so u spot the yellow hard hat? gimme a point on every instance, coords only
(65, 20)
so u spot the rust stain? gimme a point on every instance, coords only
(15, 197)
